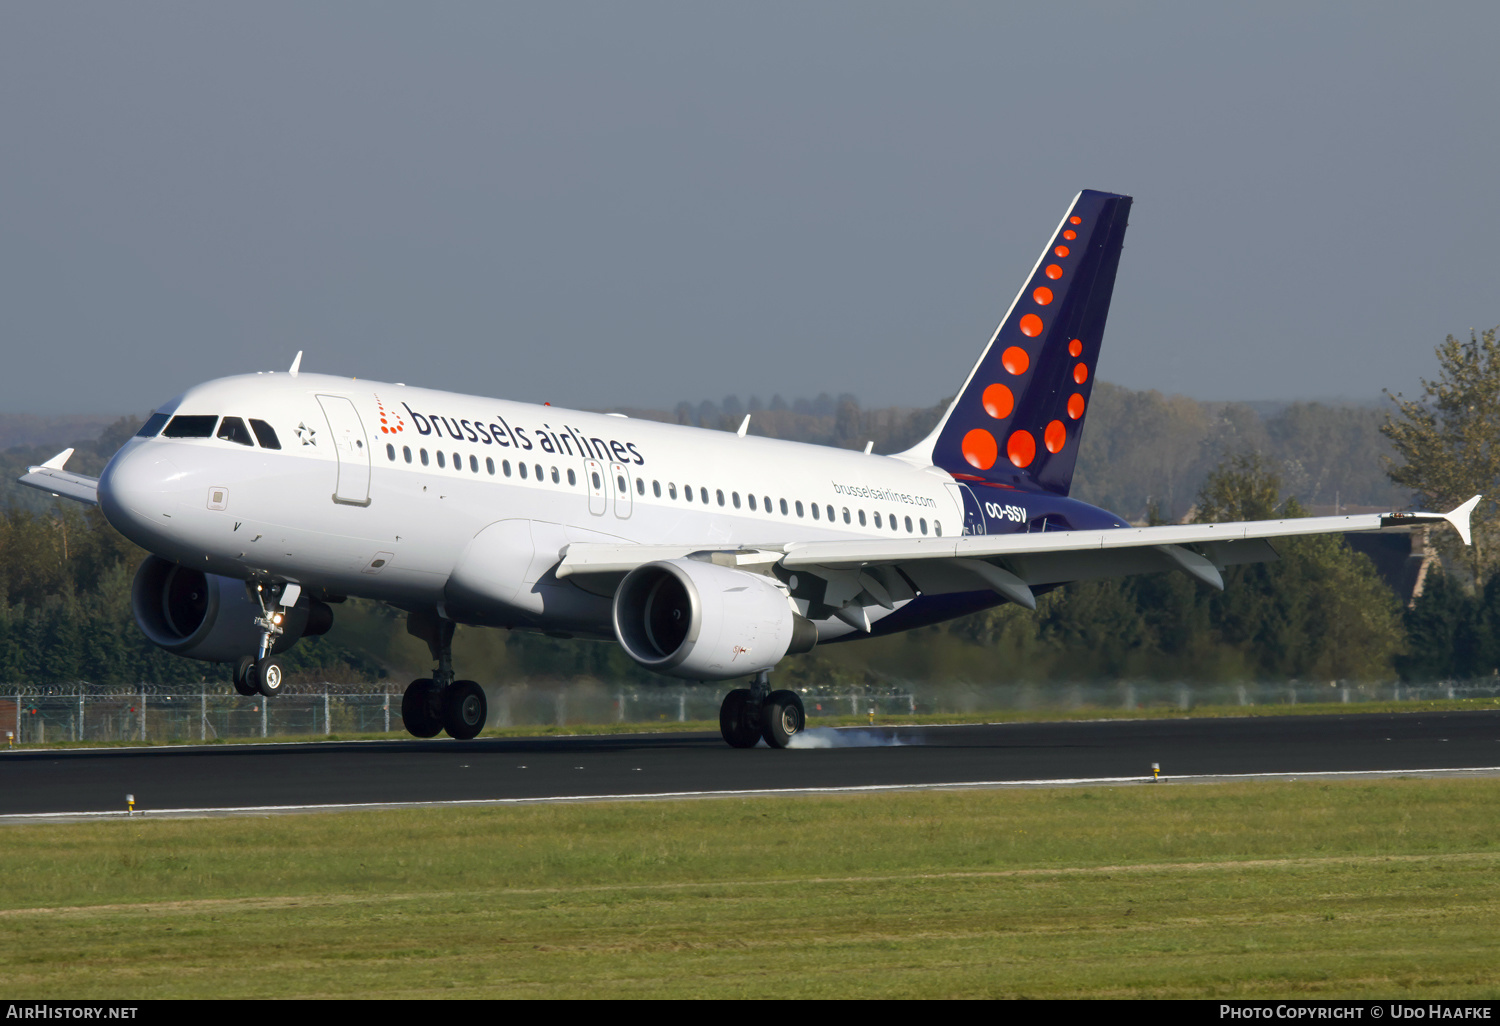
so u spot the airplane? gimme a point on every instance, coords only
(267, 498)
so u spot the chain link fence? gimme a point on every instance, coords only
(31, 714)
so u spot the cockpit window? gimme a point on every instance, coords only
(267, 435)
(233, 430)
(153, 425)
(191, 426)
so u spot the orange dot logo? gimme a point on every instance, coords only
(1015, 360)
(979, 449)
(1053, 271)
(1031, 325)
(1061, 251)
(1055, 436)
(1075, 220)
(1042, 295)
(1075, 348)
(1080, 373)
(1070, 235)
(1021, 448)
(998, 401)
(1075, 406)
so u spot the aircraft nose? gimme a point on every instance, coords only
(135, 491)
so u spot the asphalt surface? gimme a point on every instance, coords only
(399, 772)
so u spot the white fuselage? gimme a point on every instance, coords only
(371, 494)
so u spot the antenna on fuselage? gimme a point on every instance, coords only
(296, 363)
(744, 426)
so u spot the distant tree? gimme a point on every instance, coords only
(1447, 443)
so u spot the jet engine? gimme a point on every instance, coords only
(204, 616)
(687, 618)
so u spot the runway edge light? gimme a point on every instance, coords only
(1156, 773)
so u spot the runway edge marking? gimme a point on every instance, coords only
(968, 785)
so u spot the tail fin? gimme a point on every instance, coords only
(1019, 418)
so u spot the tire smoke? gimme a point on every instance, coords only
(836, 737)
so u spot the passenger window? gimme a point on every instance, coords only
(671, 490)
(861, 518)
(719, 492)
(830, 515)
(814, 511)
(751, 497)
(458, 462)
(768, 504)
(538, 471)
(424, 457)
(846, 514)
(640, 486)
(505, 467)
(191, 427)
(687, 492)
(598, 484)
(442, 460)
(703, 494)
(937, 528)
(735, 498)
(656, 488)
(621, 485)
(489, 465)
(522, 468)
(556, 477)
(232, 429)
(153, 425)
(783, 507)
(877, 518)
(474, 464)
(799, 507)
(894, 525)
(572, 478)
(406, 453)
(266, 435)
(923, 523)
(908, 525)
(390, 452)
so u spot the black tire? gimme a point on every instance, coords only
(464, 709)
(242, 682)
(782, 718)
(739, 719)
(419, 709)
(267, 677)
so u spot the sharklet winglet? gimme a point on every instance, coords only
(1459, 518)
(57, 462)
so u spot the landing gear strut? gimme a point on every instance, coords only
(438, 703)
(750, 714)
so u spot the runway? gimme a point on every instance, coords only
(290, 777)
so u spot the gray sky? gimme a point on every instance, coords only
(636, 203)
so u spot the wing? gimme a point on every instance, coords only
(51, 477)
(859, 572)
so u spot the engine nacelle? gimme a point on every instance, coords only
(702, 621)
(204, 616)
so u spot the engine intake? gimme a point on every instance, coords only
(702, 621)
(204, 616)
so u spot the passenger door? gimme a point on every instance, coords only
(593, 472)
(352, 449)
(620, 474)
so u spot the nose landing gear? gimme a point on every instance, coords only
(261, 673)
(751, 714)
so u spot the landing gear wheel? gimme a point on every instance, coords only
(242, 681)
(782, 718)
(739, 720)
(266, 675)
(464, 709)
(419, 708)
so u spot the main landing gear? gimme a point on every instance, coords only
(437, 703)
(261, 673)
(750, 714)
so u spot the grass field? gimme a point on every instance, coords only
(1243, 890)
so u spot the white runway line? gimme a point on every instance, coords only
(975, 785)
